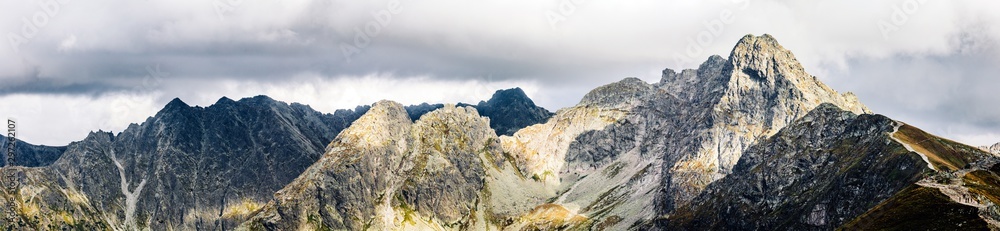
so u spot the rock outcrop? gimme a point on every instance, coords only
(995, 148)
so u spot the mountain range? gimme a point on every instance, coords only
(745, 142)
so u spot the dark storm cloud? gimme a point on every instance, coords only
(49, 86)
(562, 47)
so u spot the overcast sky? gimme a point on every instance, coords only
(69, 67)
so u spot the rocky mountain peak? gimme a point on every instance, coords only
(100, 135)
(260, 99)
(175, 104)
(759, 62)
(759, 90)
(224, 100)
(762, 58)
(510, 110)
(617, 94)
(376, 128)
(508, 95)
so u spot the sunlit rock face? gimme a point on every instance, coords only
(385, 172)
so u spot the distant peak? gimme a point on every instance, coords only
(259, 99)
(224, 100)
(176, 103)
(618, 93)
(513, 92)
(508, 96)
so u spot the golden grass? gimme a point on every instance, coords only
(241, 209)
(941, 155)
(76, 197)
(550, 216)
(29, 209)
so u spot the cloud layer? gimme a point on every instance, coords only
(929, 62)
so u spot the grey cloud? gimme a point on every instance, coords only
(953, 94)
(450, 40)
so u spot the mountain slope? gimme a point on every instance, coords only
(833, 162)
(30, 155)
(832, 166)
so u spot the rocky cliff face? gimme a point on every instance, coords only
(30, 155)
(757, 91)
(184, 168)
